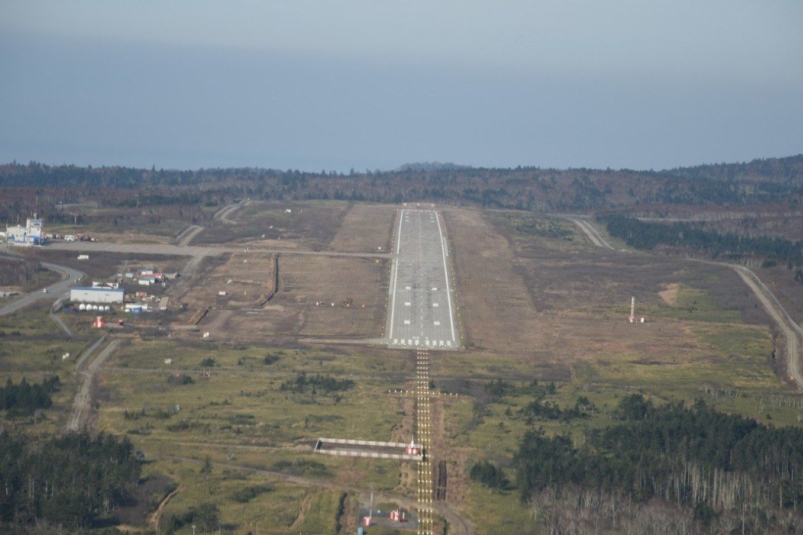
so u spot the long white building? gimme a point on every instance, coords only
(86, 294)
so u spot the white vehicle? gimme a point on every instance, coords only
(70, 237)
(44, 291)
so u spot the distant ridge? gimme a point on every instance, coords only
(430, 166)
(768, 181)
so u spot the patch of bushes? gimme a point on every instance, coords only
(249, 493)
(316, 384)
(180, 379)
(488, 475)
(206, 517)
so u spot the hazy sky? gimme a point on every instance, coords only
(367, 84)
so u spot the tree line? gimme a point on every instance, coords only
(689, 455)
(18, 271)
(647, 235)
(24, 398)
(70, 481)
(777, 180)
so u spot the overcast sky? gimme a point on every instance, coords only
(373, 84)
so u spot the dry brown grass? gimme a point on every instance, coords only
(356, 286)
(365, 229)
(558, 308)
(308, 284)
(252, 327)
(310, 225)
(670, 295)
(302, 306)
(491, 294)
(247, 279)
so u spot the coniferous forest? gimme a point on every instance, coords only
(25, 398)
(716, 466)
(65, 482)
(647, 235)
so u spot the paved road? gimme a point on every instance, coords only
(54, 291)
(421, 305)
(592, 233)
(190, 250)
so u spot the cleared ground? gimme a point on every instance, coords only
(494, 308)
(558, 303)
(309, 225)
(365, 228)
(238, 280)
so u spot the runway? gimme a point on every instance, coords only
(421, 312)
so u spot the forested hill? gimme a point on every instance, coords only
(777, 180)
(777, 169)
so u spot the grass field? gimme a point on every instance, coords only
(130, 225)
(32, 347)
(253, 426)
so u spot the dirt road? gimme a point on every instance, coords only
(153, 519)
(791, 331)
(188, 234)
(82, 405)
(224, 213)
(57, 320)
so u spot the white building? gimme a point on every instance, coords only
(84, 294)
(33, 233)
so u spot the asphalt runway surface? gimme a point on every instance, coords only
(421, 310)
